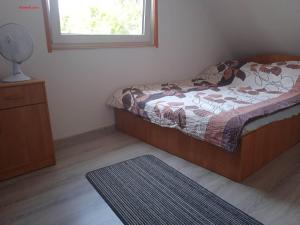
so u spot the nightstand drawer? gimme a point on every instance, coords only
(16, 96)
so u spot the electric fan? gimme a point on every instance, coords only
(16, 46)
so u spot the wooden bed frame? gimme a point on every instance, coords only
(257, 148)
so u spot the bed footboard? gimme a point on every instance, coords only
(256, 150)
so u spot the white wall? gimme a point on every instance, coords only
(258, 26)
(79, 81)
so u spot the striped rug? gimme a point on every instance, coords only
(146, 191)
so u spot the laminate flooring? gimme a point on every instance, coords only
(61, 195)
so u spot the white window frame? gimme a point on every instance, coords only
(58, 41)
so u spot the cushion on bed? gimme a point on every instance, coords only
(223, 73)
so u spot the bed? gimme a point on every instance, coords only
(262, 137)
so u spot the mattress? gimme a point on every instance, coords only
(278, 116)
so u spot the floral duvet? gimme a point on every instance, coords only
(216, 105)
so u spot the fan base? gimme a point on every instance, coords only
(16, 78)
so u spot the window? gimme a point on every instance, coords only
(100, 23)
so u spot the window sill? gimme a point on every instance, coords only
(70, 46)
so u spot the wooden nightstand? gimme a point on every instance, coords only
(26, 142)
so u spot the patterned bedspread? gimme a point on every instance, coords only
(216, 105)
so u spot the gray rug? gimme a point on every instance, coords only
(146, 191)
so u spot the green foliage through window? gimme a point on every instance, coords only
(103, 17)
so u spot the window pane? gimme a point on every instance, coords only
(101, 17)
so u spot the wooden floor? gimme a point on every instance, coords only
(61, 195)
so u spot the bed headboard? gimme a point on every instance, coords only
(266, 59)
